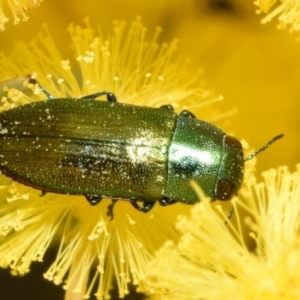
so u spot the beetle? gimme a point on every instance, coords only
(107, 149)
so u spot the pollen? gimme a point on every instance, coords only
(66, 64)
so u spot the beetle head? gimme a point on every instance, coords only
(230, 175)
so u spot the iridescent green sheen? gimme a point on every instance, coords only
(199, 152)
(88, 147)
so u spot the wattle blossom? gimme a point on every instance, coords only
(213, 260)
(91, 248)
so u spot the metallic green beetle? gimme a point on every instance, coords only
(109, 149)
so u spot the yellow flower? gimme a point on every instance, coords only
(288, 12)
(18, 9)
(212, 261)
(92, 249)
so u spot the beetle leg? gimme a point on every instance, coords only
(110, 209)
(93, 199)
(187, 114)
(147, 206)
(43, 193)
(168, 107)
(166, 201)
(34, 81)
(111, 98)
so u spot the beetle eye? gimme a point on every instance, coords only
(225, 189)
(233, 142)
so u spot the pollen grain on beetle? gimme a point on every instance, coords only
(92, 248)
(267, 270)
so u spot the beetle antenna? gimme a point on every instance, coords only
(229, 215)
(264, 147)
